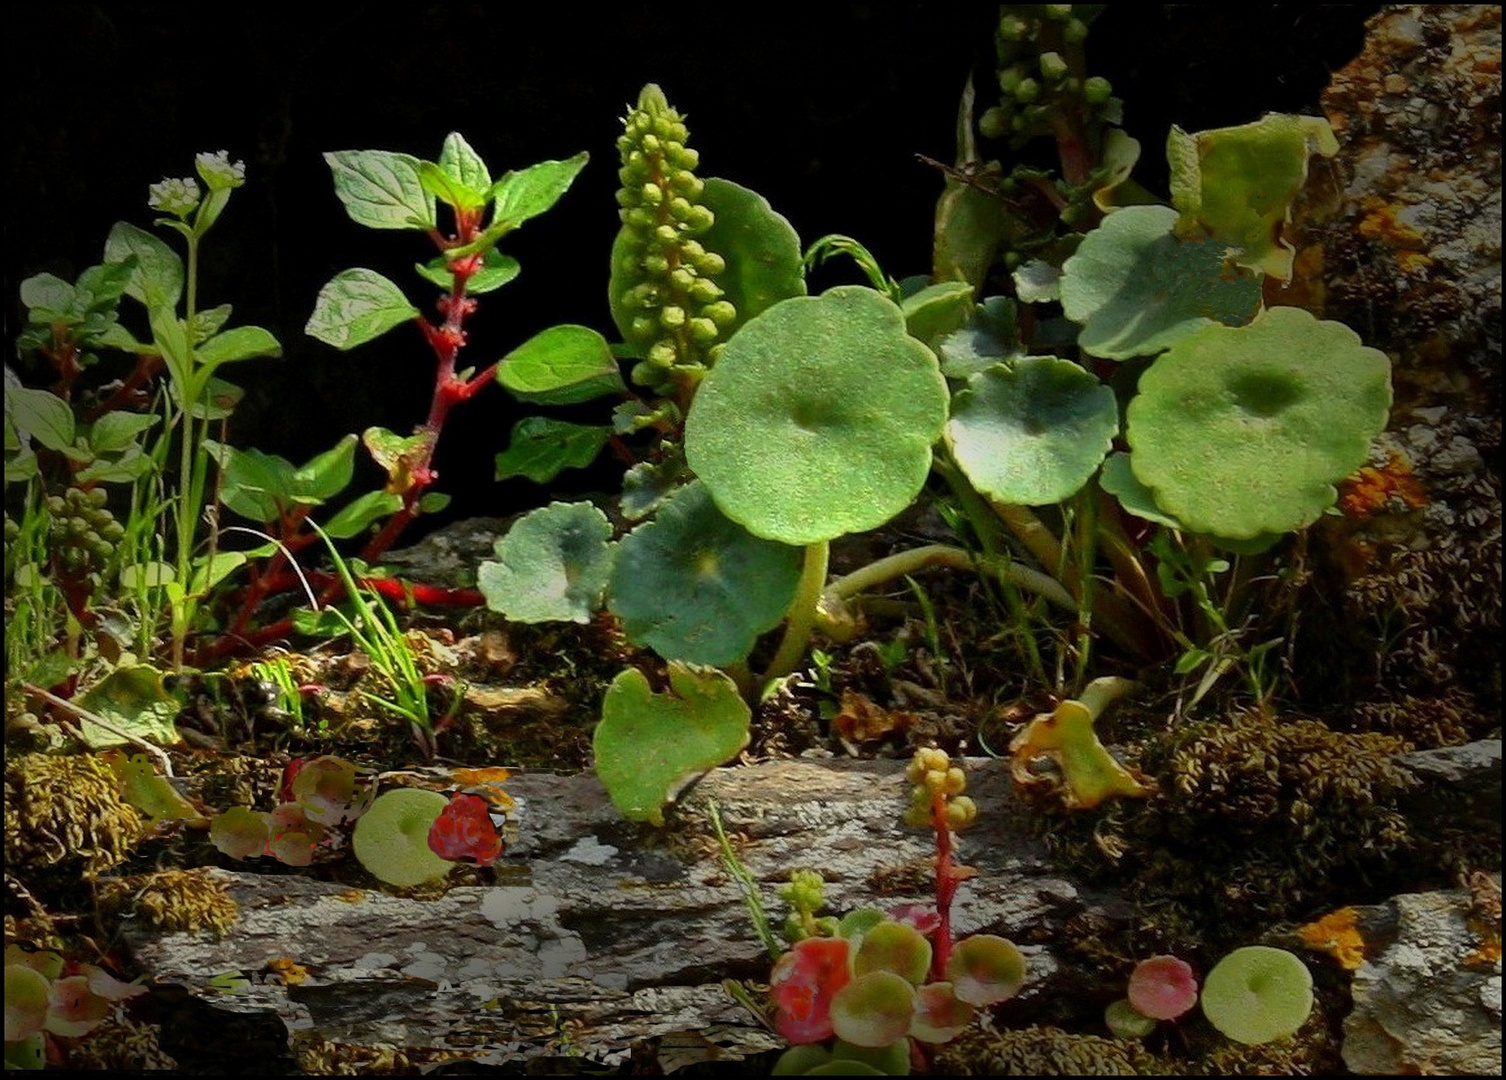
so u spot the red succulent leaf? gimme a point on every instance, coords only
(803, 982)
(922, 917)
(1162, 988)
(464, 831)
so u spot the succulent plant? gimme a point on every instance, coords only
(1257, 994)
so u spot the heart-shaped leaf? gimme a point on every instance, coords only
(649, 745)
(356, 306)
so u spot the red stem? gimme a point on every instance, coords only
(946, 888)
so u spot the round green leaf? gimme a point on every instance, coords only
(392, 838)
(554, 565)
(649, 745)
(874, 1010)
(1136, 288)
(1032, 432)
(896, 947)
(985, 970)
(1242, 431)
(1257, 994)
(694, 586)
(760, 247)
(818, 419)
(26, 1001)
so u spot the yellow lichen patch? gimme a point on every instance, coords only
(67, 809)
(175, 900)
(1371, 490)
(1089, 773)
(290, 971)
(1337, 935)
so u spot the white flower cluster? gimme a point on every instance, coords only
(218, 171)
(173, 196)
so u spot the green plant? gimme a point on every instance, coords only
(1257, 994)
(884, 984)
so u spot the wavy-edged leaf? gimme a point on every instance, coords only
(356, 306)
(381, 189)
(553, 565)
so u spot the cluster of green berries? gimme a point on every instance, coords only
(1035, 76)
(933, 777)
(82, 533)
(678, 311)
(12, 531)
(804, 895)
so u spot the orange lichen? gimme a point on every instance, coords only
(1338, 935)
(1371, 490)
(291, 972)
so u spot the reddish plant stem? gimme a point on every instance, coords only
(130, 391)
(947, 880)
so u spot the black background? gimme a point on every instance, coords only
(821, 108)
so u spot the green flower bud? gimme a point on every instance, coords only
(1053, 67)
(1097, 90)
(704, 290)
(688, 184)
(672, 317)
(691, 250)
(710, 264)
(666, 234)
(703, 331)
(1027, 91)
(714, 353)
(1057, 12)
(97, 497)
(699, 219)
(1075, 32)
(219, 172)
(652, 193)
(638, 217)
(1010, 77)
(113, 532)
(662, 354)
(173, 196)
(1014, 28)
(651, 145)
(722, 313)
(682, 278)
(656, 264)
(679, 208)
(684, 157)
(994, 123)
(644, 328)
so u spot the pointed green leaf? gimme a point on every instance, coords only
(325, 475)
(462, 164)
(648, 746)
(553, 565)
(49, 293)
(381, 190)
(242, 343)
(1032, 432)
(562, 365)
(208, 323)
(252, 484)
(157, 280)
(360, 513)
(115, 431)
(356, 306)
(496, 271)
(447, 189)
(100, 288)
(171, 339)
(540, 448)
(529, 192)
(42, 415)
(1136, 288)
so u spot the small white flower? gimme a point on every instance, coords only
(173, 196)
(219, 172)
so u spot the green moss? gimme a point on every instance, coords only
(175, 900)
(1044, 1051)
(67, 810)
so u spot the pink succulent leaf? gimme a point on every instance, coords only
(921, 916)
(1162, 988)
(464, 830)
(108, 986)
(74, 1009)
(803, 982)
